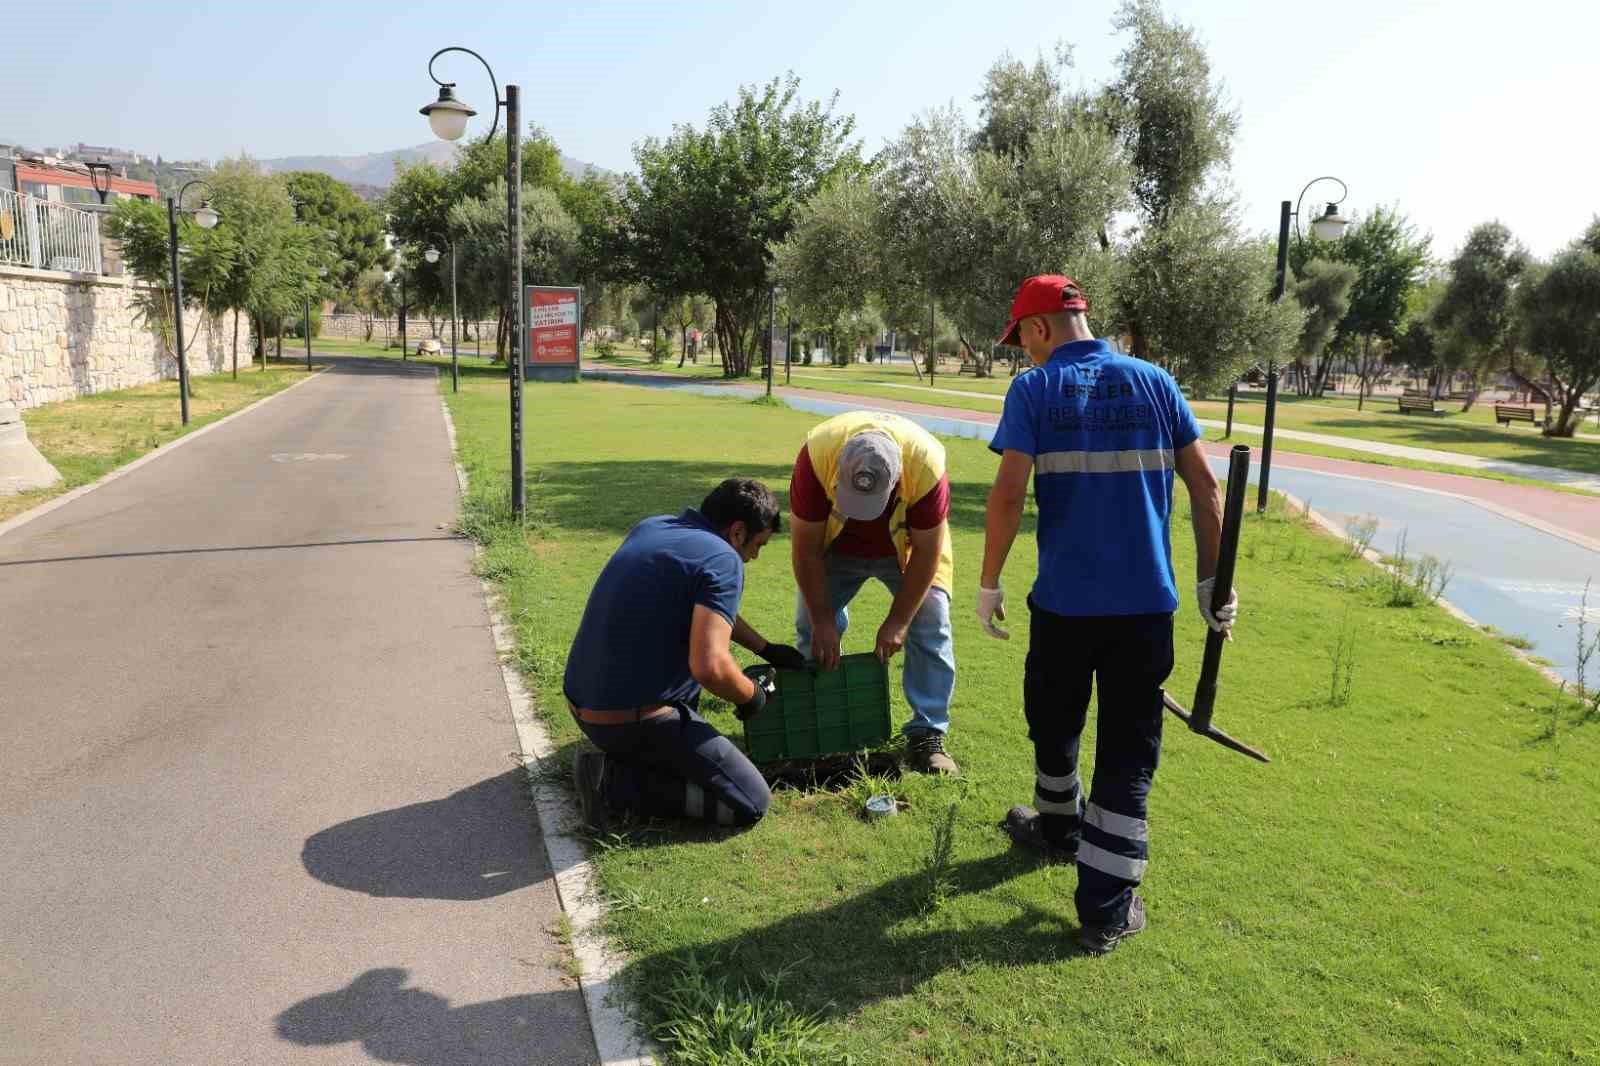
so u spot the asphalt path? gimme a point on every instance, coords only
(258, 801)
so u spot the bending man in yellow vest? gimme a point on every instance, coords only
(870, 499)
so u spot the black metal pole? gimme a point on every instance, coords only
(772, 333)
(1205, 693)
(177, 309)
(1279, 283)
(455, 368)
(514, 227)
(402, 311)
(308, 331)
(933, 357)
(788, 350)
(1233, 391)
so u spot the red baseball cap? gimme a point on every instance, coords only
(1042, 294)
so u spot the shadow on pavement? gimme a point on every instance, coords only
(473, 844)
(408, 1025)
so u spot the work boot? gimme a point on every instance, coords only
(1101, 939)
(1026, 829)
(925, 754)
(588, 777)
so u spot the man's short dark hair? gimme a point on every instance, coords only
(741, 499)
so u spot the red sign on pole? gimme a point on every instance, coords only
(553, 314)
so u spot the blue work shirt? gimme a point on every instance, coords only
(1103, 430)
(632, 647)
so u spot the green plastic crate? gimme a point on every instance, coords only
(823, 712)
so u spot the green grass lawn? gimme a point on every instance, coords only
(89, 437)
(1413, 880)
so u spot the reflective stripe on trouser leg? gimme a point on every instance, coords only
(1115, 845)
(1057, 794)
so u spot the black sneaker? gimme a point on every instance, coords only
(1025, 828)
(925, 754)
(588, 777)
(1101, 939)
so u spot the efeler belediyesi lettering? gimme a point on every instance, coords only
(1101, 416)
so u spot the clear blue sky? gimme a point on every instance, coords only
(1457, 111)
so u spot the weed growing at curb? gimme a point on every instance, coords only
(713, 1024)
(1361, 530)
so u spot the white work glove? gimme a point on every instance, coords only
(992, 605)
(1222, 619)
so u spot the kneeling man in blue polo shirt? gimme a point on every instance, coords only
(1102, 434)
(656, 630)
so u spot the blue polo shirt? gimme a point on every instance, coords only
(1103, 429)
(632, 647)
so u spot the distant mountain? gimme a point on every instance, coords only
(376, 169)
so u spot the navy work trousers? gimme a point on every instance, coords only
(1127, 657)
(678, 765)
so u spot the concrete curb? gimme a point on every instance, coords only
(166, 449)
(616, 1035)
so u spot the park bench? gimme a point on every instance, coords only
(1416, 394)
(1505, 414)
(967, 368)
(1459, 397)
(1408, 404)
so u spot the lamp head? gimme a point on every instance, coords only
(431, 255)
(1330, 225)
(206, 217)
(447, 116)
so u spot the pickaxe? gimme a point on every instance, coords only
(1205, 692)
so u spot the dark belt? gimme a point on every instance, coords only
(631, 716)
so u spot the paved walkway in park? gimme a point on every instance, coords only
(257, 804)
(1567, 515)
(1534, 472)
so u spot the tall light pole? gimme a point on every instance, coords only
(432, 256)
(205, 216)
(772, 334)
(1328, 226)
(448, 118)
(322, 272)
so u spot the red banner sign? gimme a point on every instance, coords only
(552, 315)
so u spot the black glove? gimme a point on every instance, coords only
(764, 687)
(783, 656)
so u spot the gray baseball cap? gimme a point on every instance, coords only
(869, 469)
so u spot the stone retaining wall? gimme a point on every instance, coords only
(64, 335)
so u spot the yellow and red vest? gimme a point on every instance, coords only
(922, 464)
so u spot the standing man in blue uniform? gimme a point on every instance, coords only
(1102, 435)
(655, 631)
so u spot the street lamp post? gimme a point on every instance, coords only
(432, 256)
(100, 178)
(1328, 226)
(322, 272)
(448, 116)
(772, 333)
(205, 216)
